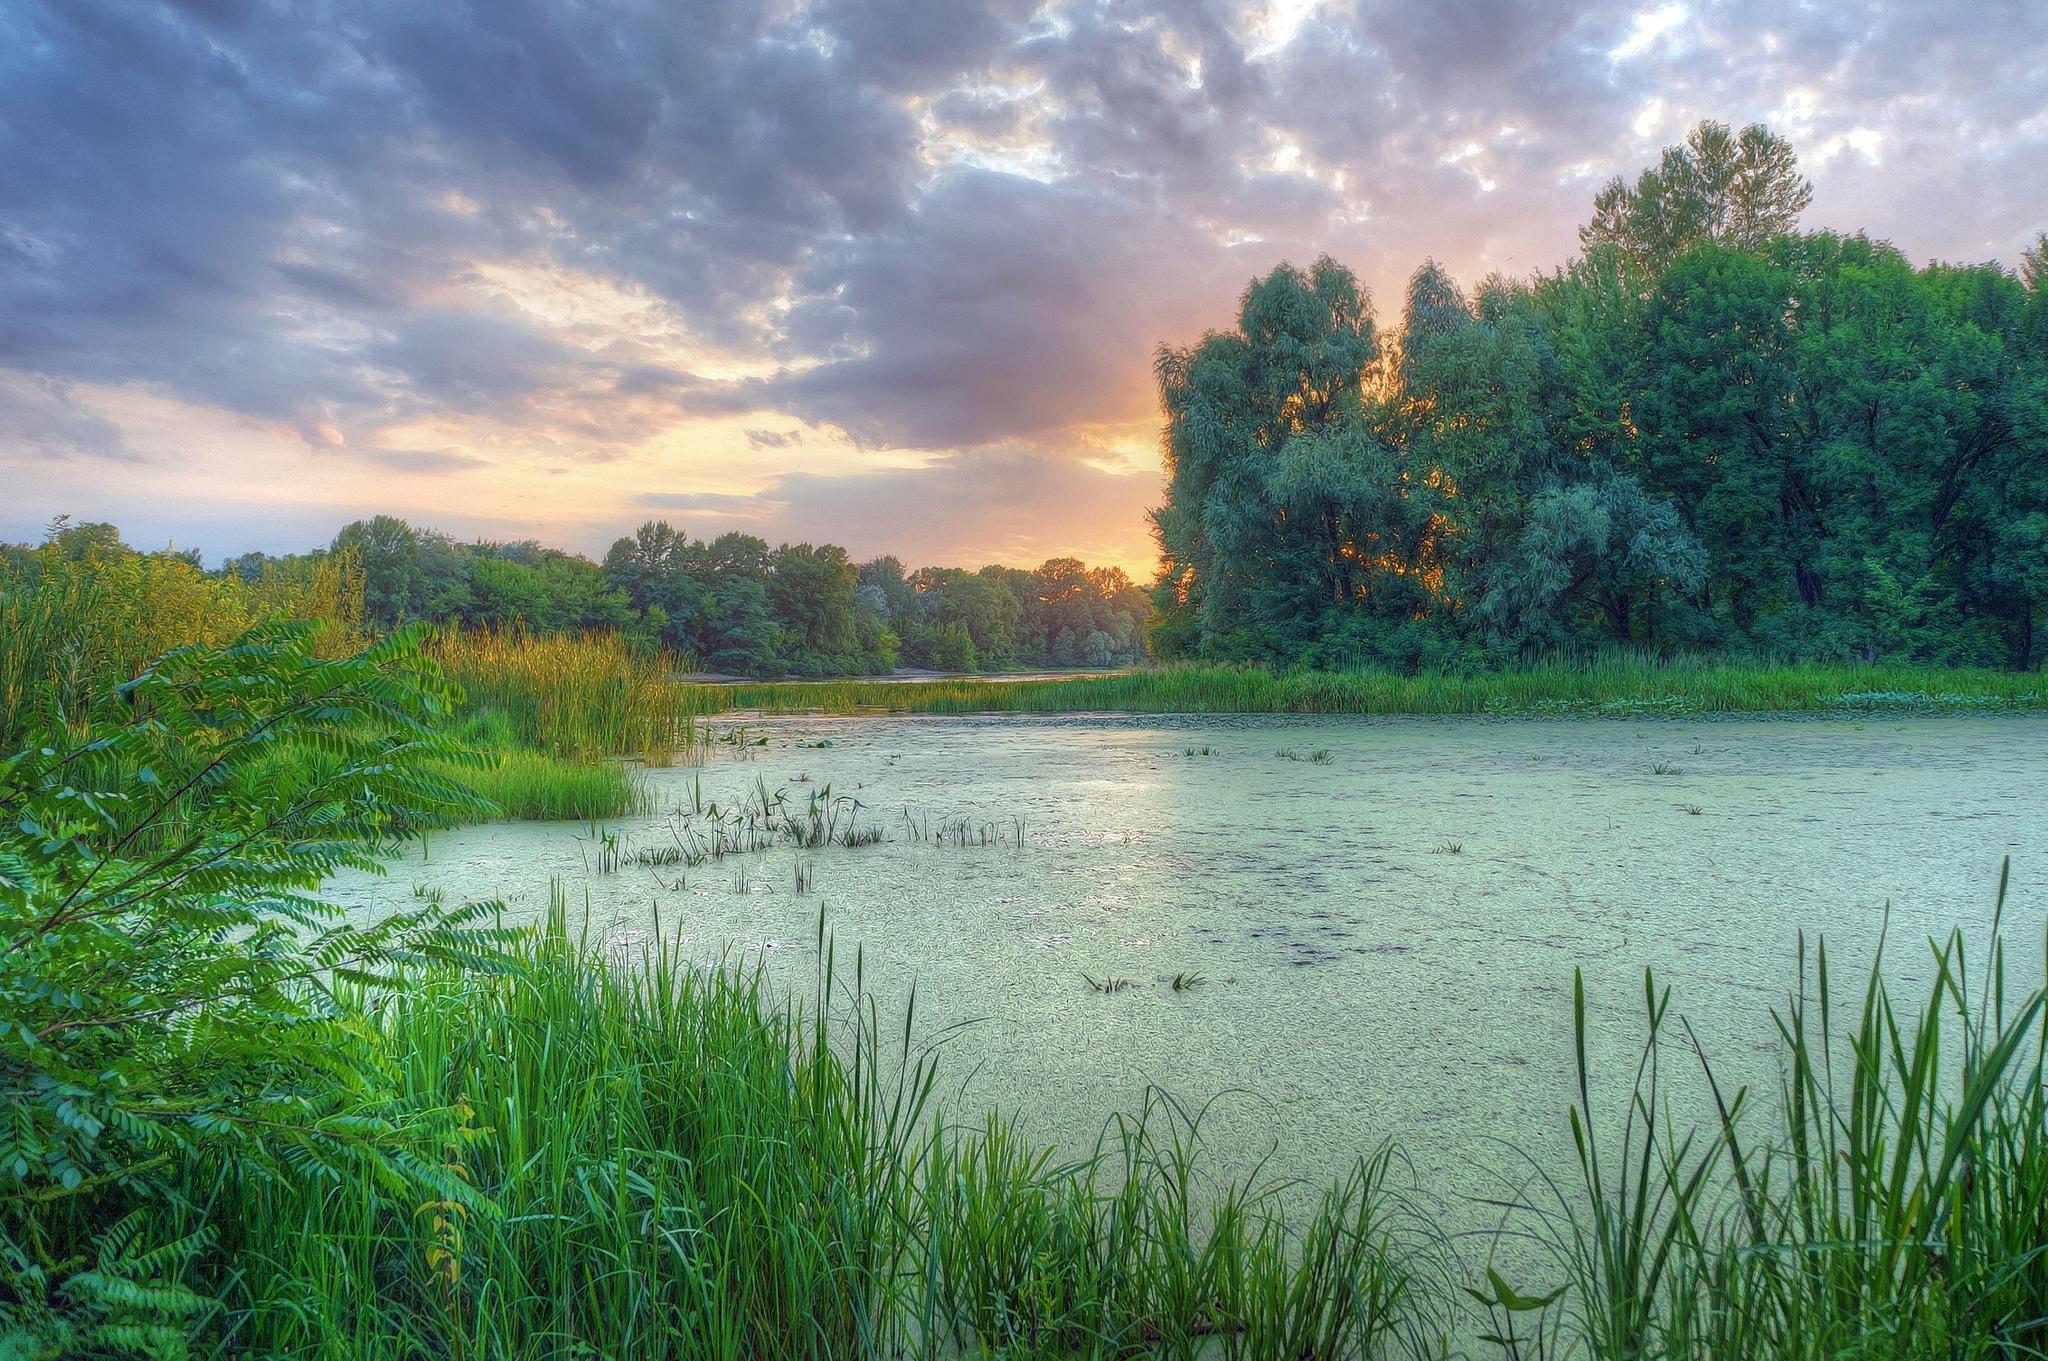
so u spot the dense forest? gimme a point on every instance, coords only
(730, 604)
(1710, 432)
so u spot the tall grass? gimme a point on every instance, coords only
(660, 1159)
(666, 1162)
(1892, 1202)
(1618, 684)
(583, 696)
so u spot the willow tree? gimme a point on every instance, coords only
(1738, 190)
(1273, 477)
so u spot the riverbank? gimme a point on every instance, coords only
(1621, 687)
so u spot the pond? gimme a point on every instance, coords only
(1385, 915)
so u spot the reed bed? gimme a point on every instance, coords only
(1617, 685)
(656, 1158)
(666, 1162)
(533, 786)
(583, 697)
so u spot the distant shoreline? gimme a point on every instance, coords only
(1612, 688)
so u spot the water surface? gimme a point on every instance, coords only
(1387, 938)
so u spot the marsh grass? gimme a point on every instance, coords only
(664, 1160)
(1622, 684)
(961, 832)
(706, 831)
(529, 785)
(585, 697)
(1892, 1201)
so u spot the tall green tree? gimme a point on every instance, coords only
(1737, 190)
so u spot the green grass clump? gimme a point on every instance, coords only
(1892, 1201)
(663, 1161)
(1615, 684)
(588, 696)
(530, 785)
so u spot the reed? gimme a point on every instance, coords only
(584, 697)
(1892, 1200)
(1613, 684)
(666, 1162)
(533, 786)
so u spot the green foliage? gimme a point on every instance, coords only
(1614, 683)
(83, 614)
(1709, 433)
(167, 978)
(1737, 189)
(1892, 1201)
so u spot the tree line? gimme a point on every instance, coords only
(731, 604)
(1710, 432)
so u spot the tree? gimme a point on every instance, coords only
(1232, 578)
(395, 584)
(811, 590)
(1738, 190)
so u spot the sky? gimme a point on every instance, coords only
(884, 273)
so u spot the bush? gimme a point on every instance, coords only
(168, 981)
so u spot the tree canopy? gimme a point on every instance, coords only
(1710, 432)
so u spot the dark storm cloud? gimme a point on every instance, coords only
(288, 209)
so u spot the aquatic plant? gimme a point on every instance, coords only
(585, 696)
(1613, 683)
(1893, 1199)
(1666, 768)
(530, 785)
(1107, 984)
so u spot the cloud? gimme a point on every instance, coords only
(50, 422)
(1006, 503)
(619, 248)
